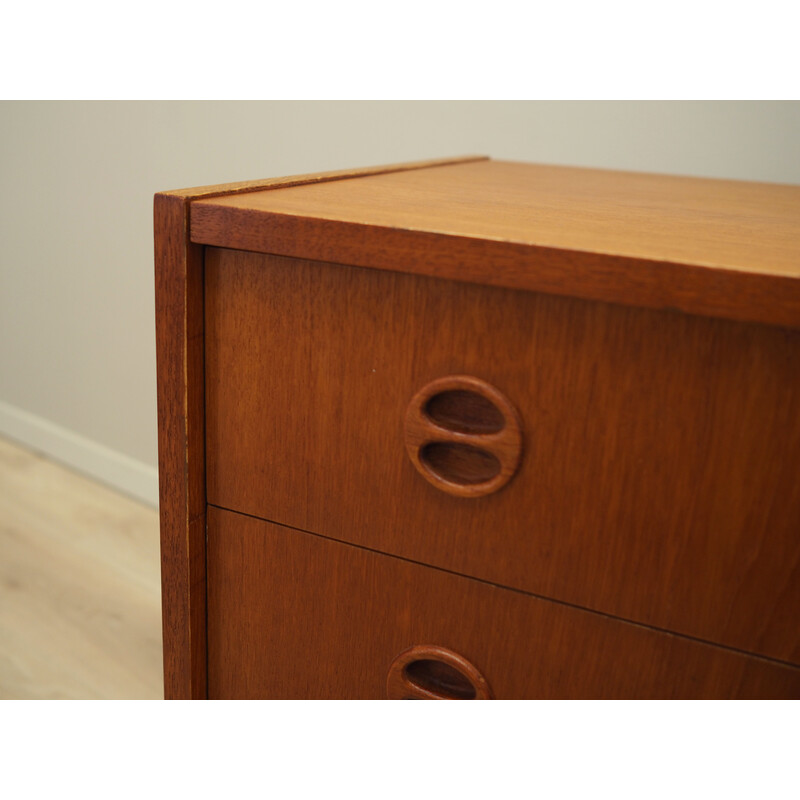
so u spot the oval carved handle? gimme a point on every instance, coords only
(430, 672)
(463, 436)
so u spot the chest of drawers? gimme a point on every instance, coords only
(474, 429)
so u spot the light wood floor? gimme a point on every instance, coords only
(80, 591)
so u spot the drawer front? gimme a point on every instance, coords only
(656, 478)
(294, 615)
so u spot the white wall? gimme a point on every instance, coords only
(77, 344)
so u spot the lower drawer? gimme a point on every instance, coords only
(293, 615)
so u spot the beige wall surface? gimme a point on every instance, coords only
(77, 344)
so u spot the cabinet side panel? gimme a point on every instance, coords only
(181, 459)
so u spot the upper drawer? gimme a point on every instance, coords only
(659, 451)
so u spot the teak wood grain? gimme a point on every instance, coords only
(292, 615)
(181, 449)
(179, 352)
(660, 437)
(270, 184)
(661, 450)
(720, 248)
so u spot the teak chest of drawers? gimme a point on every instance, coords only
(475, 429)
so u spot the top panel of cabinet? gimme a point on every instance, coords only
(713, 247)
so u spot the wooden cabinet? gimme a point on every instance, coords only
(480, 429)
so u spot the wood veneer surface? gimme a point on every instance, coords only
(722, 248)
(239, 187)
(179, 352)
(292, 615)
(658, 481)
(181, 447)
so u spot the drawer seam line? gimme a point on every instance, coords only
(614, 617)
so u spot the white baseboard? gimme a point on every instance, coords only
(127, 475)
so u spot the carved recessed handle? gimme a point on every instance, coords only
(463, 436)
(429, 672)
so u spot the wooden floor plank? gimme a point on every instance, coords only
(80, 602)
